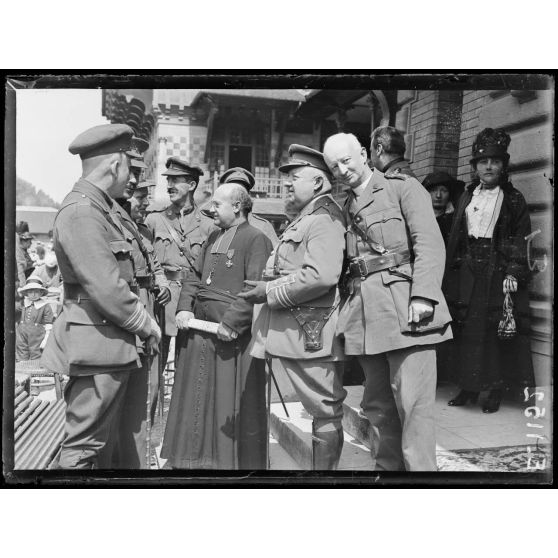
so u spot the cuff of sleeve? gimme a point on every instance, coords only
(48, 327)
(278, 294)
(161, 281)
(428, 294)
(139, 323)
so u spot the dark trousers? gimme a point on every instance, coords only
(93, 405)
(398, 400)
(166, 345)
(128, 445)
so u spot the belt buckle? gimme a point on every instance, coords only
(362, 267)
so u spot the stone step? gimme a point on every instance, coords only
(279, 459)
(354, 420)
(294, 434)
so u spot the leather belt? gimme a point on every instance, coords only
(364, 266)
(179, 275)
(73, 291)
(144, 281)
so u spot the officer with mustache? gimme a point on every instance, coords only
(178, 232)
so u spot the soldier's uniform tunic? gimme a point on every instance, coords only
(130, 442)
(309, 258)
(190, 229)
(398, 358)
(94, 338)
(399, 166)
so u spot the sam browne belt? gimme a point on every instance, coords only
(363, 266)
(179, 275)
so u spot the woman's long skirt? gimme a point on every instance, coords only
(484, 361)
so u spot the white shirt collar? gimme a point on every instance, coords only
(479, 190)
(36, 303)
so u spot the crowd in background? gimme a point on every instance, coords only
(38, 292)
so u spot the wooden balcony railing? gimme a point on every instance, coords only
(265, 187)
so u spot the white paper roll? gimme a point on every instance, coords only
(202, 325)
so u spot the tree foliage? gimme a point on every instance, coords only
(27, 194)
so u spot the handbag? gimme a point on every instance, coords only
(507, 328)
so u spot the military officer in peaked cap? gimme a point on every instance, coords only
(137, 166)
(178, 232)
(94, 338)
(297, 322)
(130, 447)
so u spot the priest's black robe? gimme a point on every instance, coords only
(217, 417)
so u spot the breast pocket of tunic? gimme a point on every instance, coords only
(95, 341)
(122, 250)
(387, 228)
(291, 244)
(162, 245)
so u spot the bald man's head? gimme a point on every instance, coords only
(347, 160)
(230, 205)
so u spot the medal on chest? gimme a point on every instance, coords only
(230, 255)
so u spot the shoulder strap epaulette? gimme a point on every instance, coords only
(396, 173)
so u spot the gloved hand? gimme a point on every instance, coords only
(155, 330)
(225, 333)
(152, 344)
(163, 296)
(510, 284)
(419, 309)
(182, 319)
(257, 294)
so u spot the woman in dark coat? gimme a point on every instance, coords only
(444, 191)
(486, 258)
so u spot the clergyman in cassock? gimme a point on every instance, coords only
(217, 417)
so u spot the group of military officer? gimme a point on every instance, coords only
(123, 269)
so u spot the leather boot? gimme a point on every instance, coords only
(326, 449)
(463, 397)
(492, 404)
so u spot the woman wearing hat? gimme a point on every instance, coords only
(48, 271)
(487, 258)
(36, 320)
(444, 191)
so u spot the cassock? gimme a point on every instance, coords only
(217, 417)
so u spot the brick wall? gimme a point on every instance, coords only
(422, 125)
(434, 124)
(473, 103)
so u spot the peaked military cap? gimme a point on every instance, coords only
(139, 146)
(302, 156)
(103, 140)
(26, 236)
(138, 163)
(179, 167)
(240, 176)
(145, 185)
(491, 143)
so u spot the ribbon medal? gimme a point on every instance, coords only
(230, 255)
